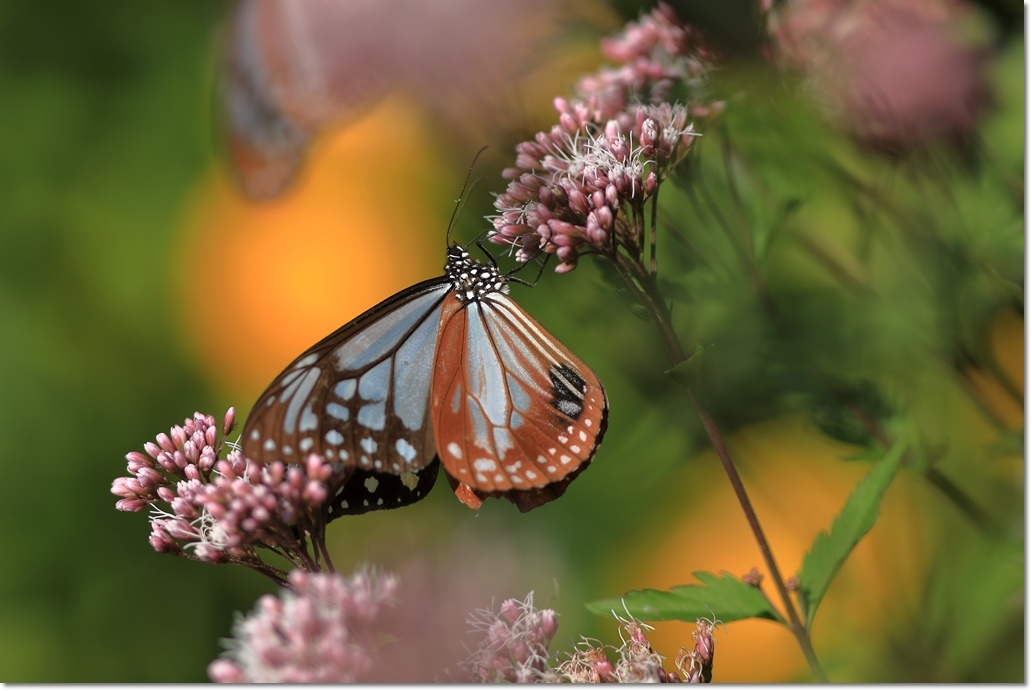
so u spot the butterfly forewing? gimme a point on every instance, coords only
(451, 367)
(516, 414)
(360, 398)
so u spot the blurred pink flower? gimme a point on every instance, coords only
(441, 582)
(324, 628)
(896, 74)
(514, 641)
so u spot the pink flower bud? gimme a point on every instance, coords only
(620, 149)
(649, 132)
(549, 625)
(165, 442)
(161, 542)
(228, 422)
(650, 184)
(612, 197)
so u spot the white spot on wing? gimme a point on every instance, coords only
(368, 445)
(307, 360)
(405, 450)
(373, 385)
(371, 483)
(298, 395)
(479, 426)
(410, 480)
(346, 389)
(309, 420)
(338, 411)
(484, 464)
(372, 416)
(334, 437)
(503, 441)
(454, 449)
(520, 399)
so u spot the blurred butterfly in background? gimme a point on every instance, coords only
(292, 70)
(451, 372)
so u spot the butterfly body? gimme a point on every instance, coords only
(451, 368)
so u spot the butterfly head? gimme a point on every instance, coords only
(472, 280)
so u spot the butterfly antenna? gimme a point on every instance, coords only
(460, 203)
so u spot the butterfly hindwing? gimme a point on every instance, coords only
(360, 396)
(367, 490)
(450, 368)
(516, 414)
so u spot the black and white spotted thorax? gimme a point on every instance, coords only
(471, 280)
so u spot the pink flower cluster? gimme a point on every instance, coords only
(220, 510)
(582, 186)
(515, 642)
(696, 665)
(188, 453)
(636, 662)
(320, 630)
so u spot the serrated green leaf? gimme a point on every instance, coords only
(856, 519)
(725, 597)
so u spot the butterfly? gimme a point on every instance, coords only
(451, 372)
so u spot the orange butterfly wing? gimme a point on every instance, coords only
(515, 413)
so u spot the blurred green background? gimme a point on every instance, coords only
(111, 306)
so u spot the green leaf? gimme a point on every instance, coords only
(685, 371)
(725, 597)
(857, 517)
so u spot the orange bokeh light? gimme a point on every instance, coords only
(365, 220)
(797, 485)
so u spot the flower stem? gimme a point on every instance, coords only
(645, 290)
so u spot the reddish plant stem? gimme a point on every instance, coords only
(644, 288)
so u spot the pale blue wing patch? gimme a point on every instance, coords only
(381, 338)
(484, 374)
(413, 373)
(360, 396)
